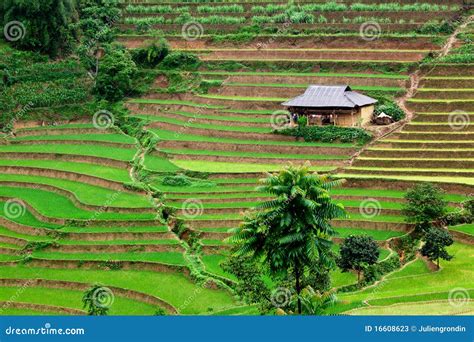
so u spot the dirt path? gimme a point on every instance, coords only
(452, 39)
(412, 91)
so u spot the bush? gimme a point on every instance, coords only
(151, 55)
(184, 180)
(465, 215)
(114, 80)
(46, 26)
(180, 60)
(328, 134)
(425, 204)
(178, 180)
(374, 272)
(390, 108)
(433, 27)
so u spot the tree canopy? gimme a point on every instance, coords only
(425, 204)
(358, 252)
(46, 26)
(293, 230)
(436, 240)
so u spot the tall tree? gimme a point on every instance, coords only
(436, 240)
(97, 21)
(358, 252)
(115, 79)
(41, 25)
(425, 204)
(292, 231)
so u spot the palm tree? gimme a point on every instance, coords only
(316, 302)
(293, 230)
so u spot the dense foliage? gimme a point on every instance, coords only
(97, 20)
(358, 252)
(425, 203)
(42, 25)
(463, 215)
(152, 54)
(180, 60)
(390, 108)
(328, 134)
(435, 242)
(291, 232)
(115, 78)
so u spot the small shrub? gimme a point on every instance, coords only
(425, 204)
(151, 55)
(178, 180)
(328, 134)
(114, 80)
(180, 60)
(392, 109)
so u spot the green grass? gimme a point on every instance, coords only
(465, 228)
(175, 102)
(311, 74)
(459, 180)
(304, 49)
(169, 258)
(304, 86)
(27, 312)
(416, 279)
(94, 150)
(64, 126)
(10, 233)
(159, 164)
(212, 265)
(154, 229)
(209, 126)
(212, 117)
(407, 169)
(115, 138)
(253, 154)
(72, 299)
(120, 242)
(243, 98)
(169, 135)
(174, 288)
(439, 100)
(100, 171)
(379, 235)
(85, 193)
(215, 167)
(7, 257)
(418, 308)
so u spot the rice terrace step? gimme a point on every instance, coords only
(156, 155)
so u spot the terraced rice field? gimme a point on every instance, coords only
(81, 222)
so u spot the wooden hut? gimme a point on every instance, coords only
(332, 105)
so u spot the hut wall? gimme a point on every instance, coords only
(366, 114)
(348, 120)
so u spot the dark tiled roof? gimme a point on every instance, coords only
(330, 96)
